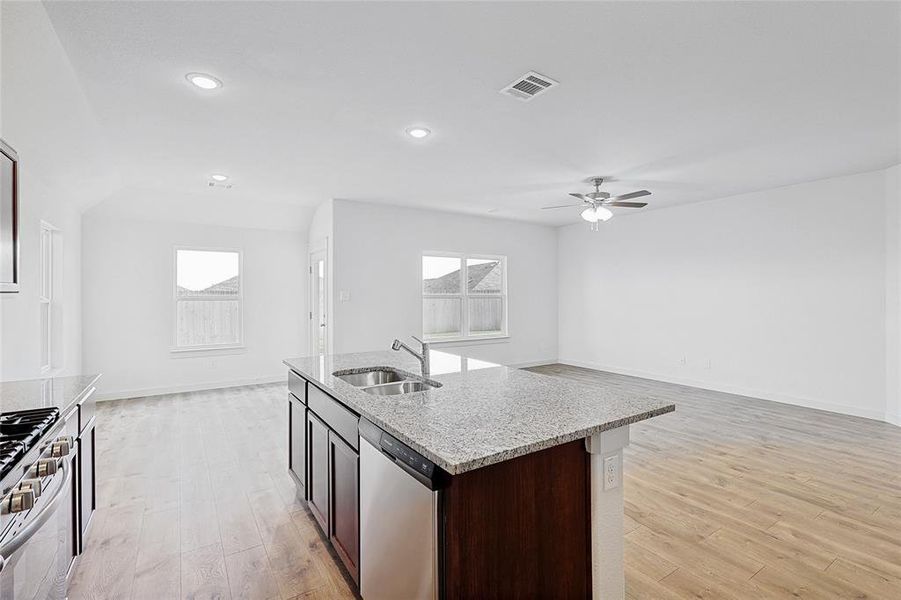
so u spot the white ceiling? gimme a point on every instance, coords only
(692, 101)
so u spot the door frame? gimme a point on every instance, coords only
(317, 252)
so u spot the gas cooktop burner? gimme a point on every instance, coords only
(20, 430)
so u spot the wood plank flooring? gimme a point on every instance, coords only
(734, 497)
(728, 497)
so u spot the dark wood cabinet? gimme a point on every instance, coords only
(297, 443)
(318, 469)
(323, 442)
(87, 480)
(344, 531)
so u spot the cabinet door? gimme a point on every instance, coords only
(317, 468)
(87, 481)
(297, 443)
(345, 493)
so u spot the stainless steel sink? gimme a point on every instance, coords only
(373, 377)
(399, 387)
(385, 381)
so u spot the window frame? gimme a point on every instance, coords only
(464, 295)
(175, 349)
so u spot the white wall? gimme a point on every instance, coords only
(129, 312)
(893, 294)
(378, 253)
(63, 168)
(782, 291)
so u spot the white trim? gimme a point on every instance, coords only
(312, 329)
(470, 341)
(194, 387)
(893, 419)
(843, 409)
(532, 363)
(176, 299)
(200, 351)
(46, 299)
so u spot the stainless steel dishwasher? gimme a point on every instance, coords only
(399, 524)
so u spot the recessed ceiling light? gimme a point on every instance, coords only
(218, 177)
(418, 132)
(203, 81)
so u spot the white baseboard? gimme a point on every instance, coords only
(532, 363)
(893, 419)
(193, 387)
(738, 390)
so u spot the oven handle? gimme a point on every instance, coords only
(29, 530)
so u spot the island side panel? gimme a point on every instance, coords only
(520, 528)
(607, 509)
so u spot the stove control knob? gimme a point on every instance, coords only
(18, 501)
(61, 447)
(44, 468)
(31, 484)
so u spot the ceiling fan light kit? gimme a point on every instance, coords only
(595, 204)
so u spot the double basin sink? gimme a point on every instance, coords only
(385, 381)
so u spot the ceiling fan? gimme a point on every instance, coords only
(595, 204)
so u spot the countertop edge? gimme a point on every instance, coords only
(498, 457)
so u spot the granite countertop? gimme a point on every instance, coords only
(483, 413)
(61, 392)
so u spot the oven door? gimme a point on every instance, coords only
(35, 553)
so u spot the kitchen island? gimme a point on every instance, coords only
(531, 502)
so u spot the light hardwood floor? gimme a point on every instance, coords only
(733, 497)
(195, 502)
(728, 497)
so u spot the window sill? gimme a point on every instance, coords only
(207, 351)
(469, 341)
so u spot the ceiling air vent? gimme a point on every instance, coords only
(528, 86)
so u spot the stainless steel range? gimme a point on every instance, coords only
(37, 533)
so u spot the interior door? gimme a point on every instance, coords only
(319, 302)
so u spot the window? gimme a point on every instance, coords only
(46, 297)
(463, 297)
(208, 306)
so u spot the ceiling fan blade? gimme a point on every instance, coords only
(627, 204)
(561, 206)
(631, 195)
(580, 197)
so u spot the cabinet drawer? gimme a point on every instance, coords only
(341, 420)
(297, 385)
(87, 408)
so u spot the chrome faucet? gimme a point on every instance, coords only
(423, 358)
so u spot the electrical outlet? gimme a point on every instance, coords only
(707, 364)
(611, 472)
(682, 361)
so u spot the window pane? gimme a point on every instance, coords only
(441, 317)
(486, 315)
(207, 322)
(206, 272)
(484, 276)
(441, 275)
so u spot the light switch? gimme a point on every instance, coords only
(343, 296)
